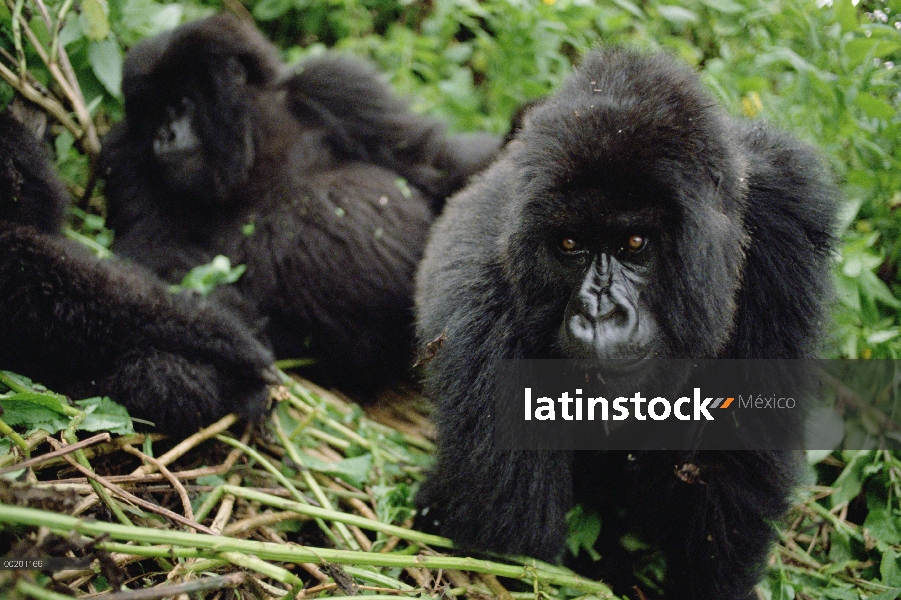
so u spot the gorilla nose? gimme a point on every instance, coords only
(602, 329)
(610, 324)
(164, 141)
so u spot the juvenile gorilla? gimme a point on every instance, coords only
(321, 182)
(629, 218)
(85, 327)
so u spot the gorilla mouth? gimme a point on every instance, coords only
(620, 366)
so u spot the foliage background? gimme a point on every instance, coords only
(828, 71)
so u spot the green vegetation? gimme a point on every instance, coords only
(830, 74)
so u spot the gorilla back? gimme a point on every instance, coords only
(629, 218)
(321, 182)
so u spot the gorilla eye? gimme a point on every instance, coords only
(635, 243)
(570, 246)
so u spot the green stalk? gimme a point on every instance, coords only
(192, 545)
(252, 453)
(340, 517)
(261, 566)
(15, 438)
(82, 459)
(308, 478)
(208, 503)
(36, 591)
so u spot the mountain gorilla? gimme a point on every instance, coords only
(321, 182)
(86, 327)
(629, 218)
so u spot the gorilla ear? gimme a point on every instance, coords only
(255, 67)
(252, 58)
(236, 71)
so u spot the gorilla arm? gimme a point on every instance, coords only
(86, 328)
(483, 497)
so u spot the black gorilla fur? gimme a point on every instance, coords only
(85, 327)
(216, 137)
(728, 257)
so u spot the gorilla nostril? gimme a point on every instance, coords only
(582, 328)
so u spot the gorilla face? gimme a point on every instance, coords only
(607, 266)
(633, 215)
(195, 110)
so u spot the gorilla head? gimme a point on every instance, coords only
(631, 207)
(629, 219)
(190, 95)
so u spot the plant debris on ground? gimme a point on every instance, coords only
(317, 501)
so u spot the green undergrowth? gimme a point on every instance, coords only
(318, 498)
(317, 502)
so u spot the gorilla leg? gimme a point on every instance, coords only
(717, 511)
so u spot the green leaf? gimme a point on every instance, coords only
(63, 144)
(815, 456)
(889, 568)
(889, 595)
(354, 471)
(102, 414)
(105, 58)
(860, 50)
(34, 411)
(95, 22)
(584, 529)
(206, 278)
(799, 63)
(70, 32)
(847, 212)
(269, 10)
(840, 550)
(875, 107)
(858, 260)
(631, 8)
(850, 482)
(876, 289)
(846, 15)
(785, 591)
(847, 291)
(677, 15)
(883, 526)
(729, 7)
(880, 337)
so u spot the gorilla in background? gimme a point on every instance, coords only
(321, 182)
(85, 327)
(629, 218)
